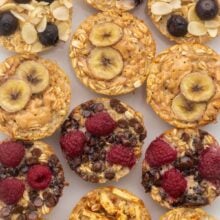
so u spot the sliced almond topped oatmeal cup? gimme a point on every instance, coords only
(34, 97)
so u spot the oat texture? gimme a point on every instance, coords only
(110, 203)
(165, 75)
(199, 31)
(136, 47)
(33, 18)
(45, 111)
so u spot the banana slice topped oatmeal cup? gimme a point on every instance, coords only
(111, 51)
(34, 97)
(34, 25)
(183, 85)
(110, 203)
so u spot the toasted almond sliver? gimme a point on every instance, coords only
(68, 3)
(8, 6)
(2, 2)
(18, 16)
(161, 8)
(36, 47)
(175, 4)
(197, 28)
(192, 16)
(54, 5)
(28, 33)
(213, 32)
(27, 7)
(61, 13)
(64, 31)
(35, 21)
(42, 25)
(212, 24)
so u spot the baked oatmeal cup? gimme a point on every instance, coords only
(34, 25)
(105, 5)
(188, 214)
(102, 139)
(110, 203)
(34, 97)
(31, 180)
(111, 51)
(186, 21)
(182, 168)
(183, 85)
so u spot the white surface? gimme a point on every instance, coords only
(155, 126)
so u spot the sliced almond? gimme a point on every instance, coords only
(192, 16)
(61, 13)
(54, 5)
(212, 24)
(20, 17)
(63, 30)
(27, 7)
(197, 28)
(35, 21)
(42, 25)
(28, 33)
(37, 12)
(36, 47)
(213, 32)
(2, 2)
(161, 8)
(68, 3)
(175, 4)
(8, 6)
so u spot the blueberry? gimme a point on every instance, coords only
(177, 26)
(8, 23)
(207, 9)
(22, 1)
(49, 36)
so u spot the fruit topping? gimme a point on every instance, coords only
(11, 153)
(174, 183)
(73, 143)
(159, 153)
(105, 34)
(207, 9)
(186, 110)
(49, 1)
(35, 74)
(197, 87)
(22, 1)
(121, 155)
(8, 23)
(49, 37)
(11, 190)
(14, 95)
(100, 124)
(177, 26)
(39, 177)
(105, 63)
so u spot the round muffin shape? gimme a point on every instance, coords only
(189, 214)
(34, 26)
(182, 180)
(186, 21)
(102, 139)
(119, 67)
(48, 100)
(110, 203)
(105, 5)
(183, 85)
(32, 188)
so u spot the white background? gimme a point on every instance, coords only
(155, 126)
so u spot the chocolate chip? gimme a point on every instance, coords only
(46, 195)
(31, 161)
(69, 125)
(93, 178)
(195, 200)
(138, 128)
(109, 175)
(122, 123)
(98, 107)
(5, 211)
(86, 113)
(114, 102)
(184, 163)
(51, 201)
(185, 137)
(143, 136)
(53, 159)
(38, 202)
(17, 209)
(21, 217)
(27, 144)
(32, 216)
(36, 152)
(97, 167)
(197, 143)
(86, 149)
(75, 162)
(133, 122)
(120, 109)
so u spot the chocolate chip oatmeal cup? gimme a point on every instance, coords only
(188, 214)
(31, 180)
(34, 97)
(183, 85)
(186, 21)
(182, 168)
(102, 139)
(34, 25)
(110, 52)
(105, 5)
(110, 203)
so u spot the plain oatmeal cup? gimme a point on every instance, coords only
(34, 25)
(186, 214)
(31, 180)
(34, 97)
(105, 5)
(110, 203)
(186, 21)
(111, 51)
(182, 168)
(183, 85)
(102, 139)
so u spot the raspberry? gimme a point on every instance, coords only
(39, 177)
(159, 153)
(174, 183)
(209, 165)
(124, 156)
(100, 124)
(11, 190)
(73, 143)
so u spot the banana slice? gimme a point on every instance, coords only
(187, 111)
(35, 74)
(105, 63)
(105, 34)
(14, 95)
(197, 87)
